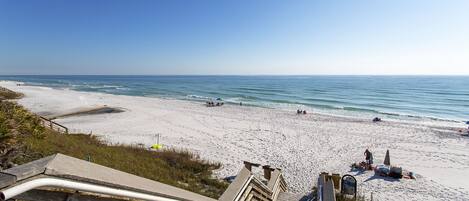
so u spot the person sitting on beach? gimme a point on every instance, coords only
(298, 111)
(376, 119)
(304, 111)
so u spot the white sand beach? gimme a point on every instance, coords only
(301, 145)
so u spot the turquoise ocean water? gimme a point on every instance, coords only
(439, 98)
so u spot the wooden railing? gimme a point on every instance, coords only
(54, 125)
(277, 184)
(326, 190)
(60, 177)
(248, 187)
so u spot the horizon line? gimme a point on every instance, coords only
(246, 75)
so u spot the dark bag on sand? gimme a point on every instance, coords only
(382, 170)
(395, 172)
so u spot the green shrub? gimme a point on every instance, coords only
(179, 168)
(9, 94)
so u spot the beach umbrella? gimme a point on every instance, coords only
(387, 159)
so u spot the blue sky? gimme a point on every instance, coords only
(234, 37)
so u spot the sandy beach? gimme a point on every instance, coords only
(301, 145)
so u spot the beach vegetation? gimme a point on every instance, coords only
(6, 94)
(23, 139)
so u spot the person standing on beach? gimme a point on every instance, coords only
(368, 157)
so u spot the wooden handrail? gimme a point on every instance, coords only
(326, 190)
(52, 123)
(277, 184)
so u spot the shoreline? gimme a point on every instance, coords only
(335, 112)
(342, 110)
(301, 145)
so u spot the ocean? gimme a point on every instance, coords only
(435, 98)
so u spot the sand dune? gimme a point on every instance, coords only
(301, 145)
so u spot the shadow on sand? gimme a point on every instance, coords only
(358, 172)
(381, 177)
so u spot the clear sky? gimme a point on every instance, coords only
(234, 37)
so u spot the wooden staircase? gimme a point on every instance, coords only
(248, 187)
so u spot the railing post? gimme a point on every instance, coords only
(249, 165)
(267, 171)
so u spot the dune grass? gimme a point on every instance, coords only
(22, 132)
(9, 94)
